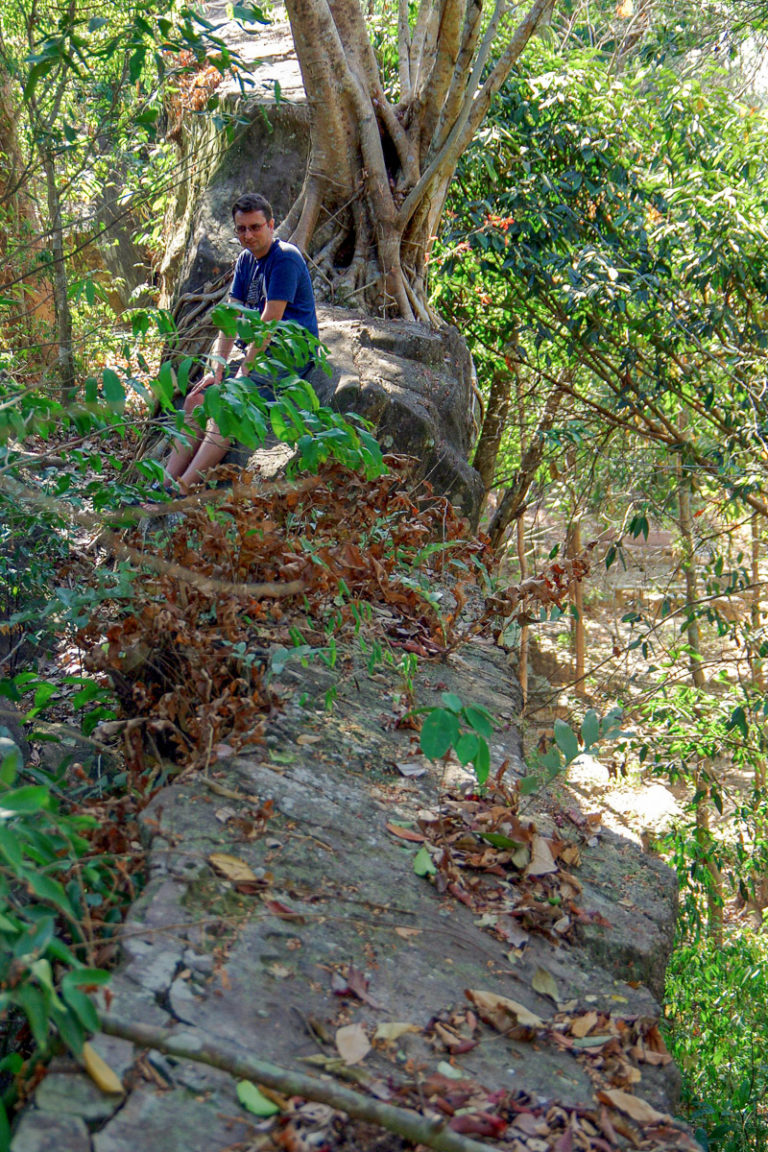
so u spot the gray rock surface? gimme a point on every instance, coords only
(256, 968)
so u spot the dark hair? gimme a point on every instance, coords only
(252, 202)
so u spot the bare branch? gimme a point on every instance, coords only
(188, 1046)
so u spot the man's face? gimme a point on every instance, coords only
(254, 232)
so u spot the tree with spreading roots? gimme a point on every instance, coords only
(380, 167)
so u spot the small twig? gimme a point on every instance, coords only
(189, 1046)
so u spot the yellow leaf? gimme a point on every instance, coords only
(100, 1072)
(231, 867)
(544, 982)
(393, 1030)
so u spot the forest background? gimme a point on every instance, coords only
(603, 252)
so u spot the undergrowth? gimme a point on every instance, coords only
(717, 1005)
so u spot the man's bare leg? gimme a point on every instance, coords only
(185, 449)
(212, 450)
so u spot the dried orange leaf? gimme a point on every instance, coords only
(583, 1025)
(352, 1043)
(231, 867)
(406, 833)
(100, 1072)
(502, 1013)
(633, 1106)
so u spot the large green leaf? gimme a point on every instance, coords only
(439, 733)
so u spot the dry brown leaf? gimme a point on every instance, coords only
(352, 1043)
(501, 1012)
(406, 933)
(583, 1025)
(308, 738)
(633, 1106)
(100, 1072)
(542, 862)
(406, 833)
(231, 867)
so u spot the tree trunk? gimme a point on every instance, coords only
(65, 356)
(578, 644)
(688, 549)
(512, 503)
(28, 312)
(379, 171)
(487, 450)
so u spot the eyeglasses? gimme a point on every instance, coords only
(244, 229)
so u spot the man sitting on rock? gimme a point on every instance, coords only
(270, 276)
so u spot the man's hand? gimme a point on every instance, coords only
(196, 391)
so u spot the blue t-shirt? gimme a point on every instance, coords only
(280, 275)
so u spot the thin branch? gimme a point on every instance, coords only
(410, 1125)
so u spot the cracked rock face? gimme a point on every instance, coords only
(263, 968)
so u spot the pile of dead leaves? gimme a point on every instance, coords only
(253, 567)
(496, 862)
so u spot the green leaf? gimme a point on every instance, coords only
(50, 890)
(499, 841)
(529, 784)
(479, 719)
(33, 1003)
(31, 798)
(452, 702)
(422, 863)
(439, 733)
(482, 762)
(254, 1100)
(566, 740)
(83, 1007)
(590, 728)
(10, 847)
(114, 392)
(467, 747)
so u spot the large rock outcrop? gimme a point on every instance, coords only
(416, 386)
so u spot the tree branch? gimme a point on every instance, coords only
(471, 114)
(188, 1046)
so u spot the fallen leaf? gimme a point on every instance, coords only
(352, 1043)
(542, 862)
(283, 911)
(308, 738)
(423, 864)
(393, 1030)
(583, 1025)
(406, 833)
(407, 933)
(411, 768)
(544, 982)
(279, 971)
(100, 1072)
(502, 1013)
(633, 1106)
(478, 1124)
(448, 1070)
(223, 751)
(254, 1100)
(232, 867)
